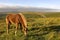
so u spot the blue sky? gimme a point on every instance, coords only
(32, 3)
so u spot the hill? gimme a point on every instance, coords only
(39, 28)
(33, 9)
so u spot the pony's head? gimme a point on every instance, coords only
(24, 22)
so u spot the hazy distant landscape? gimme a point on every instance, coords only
(33, 9)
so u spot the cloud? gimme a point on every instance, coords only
(53, 7)
(4, 5)
(48, 5)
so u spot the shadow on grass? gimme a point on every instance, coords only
(1, 32)
(34, 37)
(41, 32)
(54, 28)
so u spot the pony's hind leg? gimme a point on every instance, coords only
(8, 25)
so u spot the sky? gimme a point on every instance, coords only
(55, 4)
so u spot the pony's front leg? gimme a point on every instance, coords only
(16, 29)
(24, 30)
(20, 27)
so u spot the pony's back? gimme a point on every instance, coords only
(13, 18)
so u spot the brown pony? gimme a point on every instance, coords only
(17, 19)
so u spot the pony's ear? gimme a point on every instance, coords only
(20, 13)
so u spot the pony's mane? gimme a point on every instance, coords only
(23, 18)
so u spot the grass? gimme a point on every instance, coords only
(39, 28)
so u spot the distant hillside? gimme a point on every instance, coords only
(18, 9)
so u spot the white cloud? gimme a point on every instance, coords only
(53, 6)
(3, 5)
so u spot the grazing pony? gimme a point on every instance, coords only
(17, 19)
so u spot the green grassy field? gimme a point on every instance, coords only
(39, 28)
